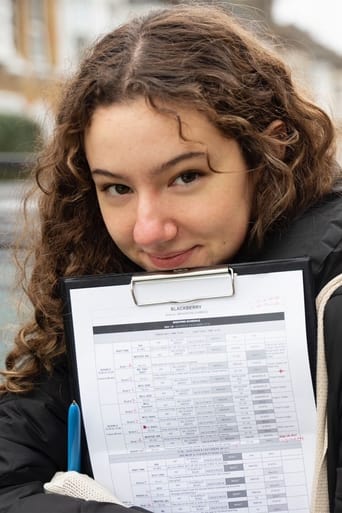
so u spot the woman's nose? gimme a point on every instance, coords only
(154, 224)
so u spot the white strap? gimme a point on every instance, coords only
(320, 497)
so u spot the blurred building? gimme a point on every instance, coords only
(28, 55)
(42, 40)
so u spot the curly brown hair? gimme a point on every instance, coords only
(192, 55)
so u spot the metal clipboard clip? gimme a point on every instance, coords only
(182, 286)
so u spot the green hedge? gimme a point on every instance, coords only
(18, 133)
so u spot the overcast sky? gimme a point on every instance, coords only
(322, 18)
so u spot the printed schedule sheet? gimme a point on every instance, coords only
(204, 406)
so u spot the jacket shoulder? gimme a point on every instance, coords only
(316, 234)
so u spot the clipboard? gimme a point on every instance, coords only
(178, 295)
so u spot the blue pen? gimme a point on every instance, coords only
(74, 437)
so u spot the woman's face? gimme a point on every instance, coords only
(163, 205)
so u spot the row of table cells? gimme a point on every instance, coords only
(243, 349)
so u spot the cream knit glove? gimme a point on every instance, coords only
(81, 486)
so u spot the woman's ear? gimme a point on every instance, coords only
(277, 130)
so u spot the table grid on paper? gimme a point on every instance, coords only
(201, 418)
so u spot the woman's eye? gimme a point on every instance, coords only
(187, 177)
(117, 189)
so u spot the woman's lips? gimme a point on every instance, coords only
(171, 260)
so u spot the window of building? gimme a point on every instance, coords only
(37, 32)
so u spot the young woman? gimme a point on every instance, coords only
(181, 142)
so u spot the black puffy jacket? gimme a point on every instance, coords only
(33, 426)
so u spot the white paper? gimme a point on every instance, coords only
(199, 407)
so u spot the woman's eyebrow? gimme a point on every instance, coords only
(179, 158)
(108, 174)
(162, 167)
